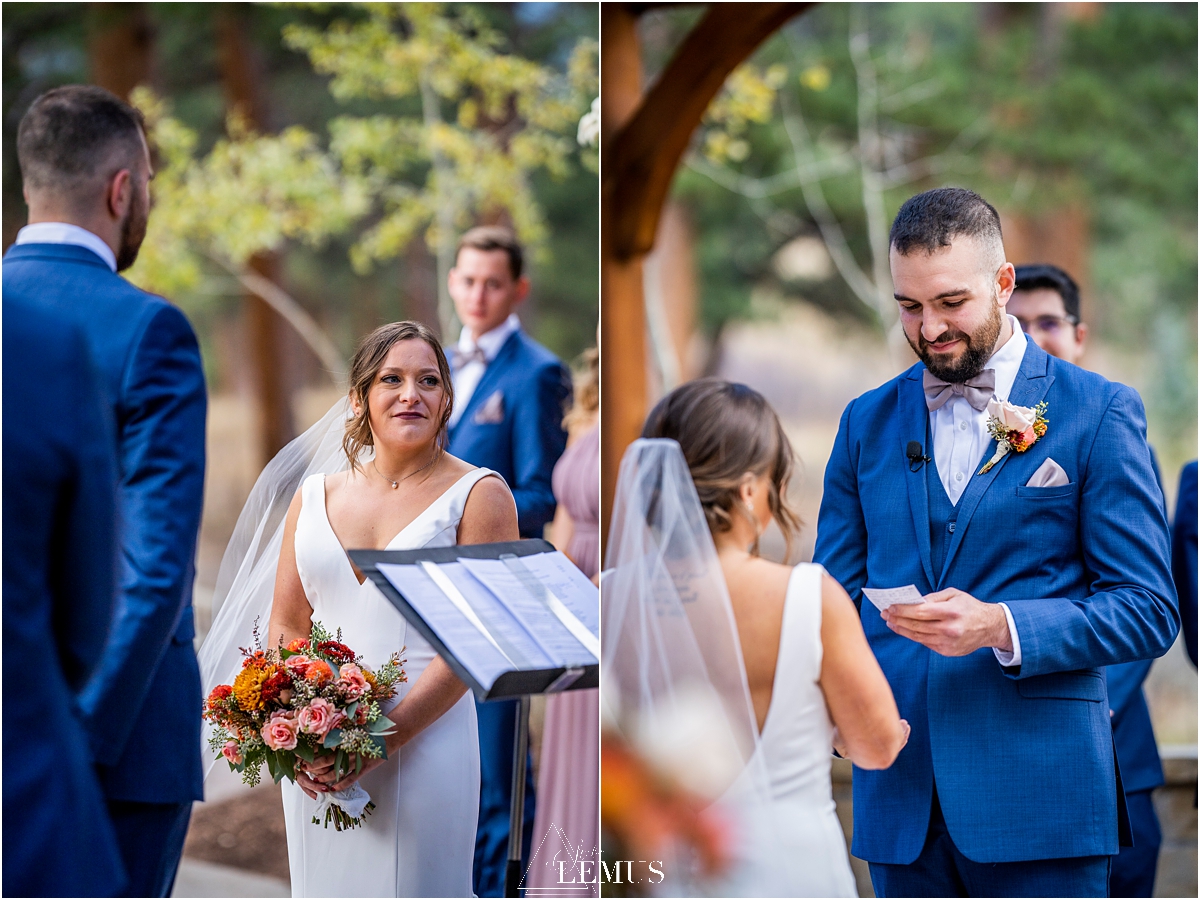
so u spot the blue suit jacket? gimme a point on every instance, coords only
(1023, 757)
(59, 563)
(1183, 554)
(526, 439)
(142, 705)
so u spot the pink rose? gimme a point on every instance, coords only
(1013, 418)
(298, 665)
(1028, 436)
(319, 717)
(232, 752)
(280, 731)
(351, 681)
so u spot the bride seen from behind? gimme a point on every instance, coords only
(807, 668)
(391, 485)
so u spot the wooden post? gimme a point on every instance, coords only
(642, 140)
(622, 318)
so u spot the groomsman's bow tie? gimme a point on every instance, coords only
(977, 390)
(462, 357)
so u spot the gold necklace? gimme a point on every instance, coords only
(396, 483)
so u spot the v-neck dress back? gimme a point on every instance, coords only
(420, 839)
(794, 846)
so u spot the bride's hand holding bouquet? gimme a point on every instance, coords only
(312, 702)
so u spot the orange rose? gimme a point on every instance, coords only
(319, 672)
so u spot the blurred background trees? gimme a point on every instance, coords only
(1077, 120)
(316, 163)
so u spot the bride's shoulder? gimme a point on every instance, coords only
(758, 577)
(490, 512)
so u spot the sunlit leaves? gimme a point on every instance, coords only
(250, 194)
(482, 122)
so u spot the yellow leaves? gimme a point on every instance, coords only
(816, 78)
(488, 119)
(747, 96)
(484, 121)
(249, 194)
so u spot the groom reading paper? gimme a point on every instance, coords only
(1016, 493)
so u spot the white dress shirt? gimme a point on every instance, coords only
(960, 438)
(65, 233)
(467, 378)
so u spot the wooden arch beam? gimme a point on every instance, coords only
(647, 150)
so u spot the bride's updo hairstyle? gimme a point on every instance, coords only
(726, 430)
(364, 367)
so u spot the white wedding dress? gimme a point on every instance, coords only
(420, 839)
(793, 847)
(675, 688)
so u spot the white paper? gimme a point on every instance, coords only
(514, 637)
(885, 597)
(579, 596)
(469, 645)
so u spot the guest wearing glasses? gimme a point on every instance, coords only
(1046, 303)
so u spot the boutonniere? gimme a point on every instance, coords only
(1015, 428)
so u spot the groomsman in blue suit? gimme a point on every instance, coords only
(1183, 555)
(1045, 302)
(1035, 568)
(86, 171)
(509, 398)
(59, 565)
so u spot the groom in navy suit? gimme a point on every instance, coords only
(1036, 568)
(86, 171)
(509, 398)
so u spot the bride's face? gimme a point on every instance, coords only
(407, 397)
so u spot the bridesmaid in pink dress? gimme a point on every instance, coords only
(567, 822)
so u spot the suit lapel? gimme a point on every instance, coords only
(491, 375)
(914, 420)
(1029, 389)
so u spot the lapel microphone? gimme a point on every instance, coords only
(916, 458)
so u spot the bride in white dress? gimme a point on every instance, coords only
(403, 492)
(729, 668)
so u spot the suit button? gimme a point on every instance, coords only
(950, 528)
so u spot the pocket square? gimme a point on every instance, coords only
(1049, 474)
(492, 411)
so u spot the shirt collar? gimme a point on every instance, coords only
(66, 233)
(1006, 361)
(490, 342)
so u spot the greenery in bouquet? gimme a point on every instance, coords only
(299, 702)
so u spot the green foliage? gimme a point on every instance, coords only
(1033, 112)
(207, 162)
(485, 120)
(250, 194)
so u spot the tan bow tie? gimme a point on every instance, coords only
(462, 357)
(978, 390)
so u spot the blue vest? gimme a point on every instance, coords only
(942, 513)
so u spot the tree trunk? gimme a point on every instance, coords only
(242, 79)
(120, 46)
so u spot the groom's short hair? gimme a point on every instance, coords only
(931, 220)
(75, 135)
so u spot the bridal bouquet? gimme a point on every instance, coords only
(300, 702)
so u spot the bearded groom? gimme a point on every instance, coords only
(1036, 567)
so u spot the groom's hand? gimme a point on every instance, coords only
(951, 622)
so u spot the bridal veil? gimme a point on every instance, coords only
(246, 580)
(674, 678)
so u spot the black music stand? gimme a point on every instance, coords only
(518, 683)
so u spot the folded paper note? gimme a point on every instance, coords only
(885, 597)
